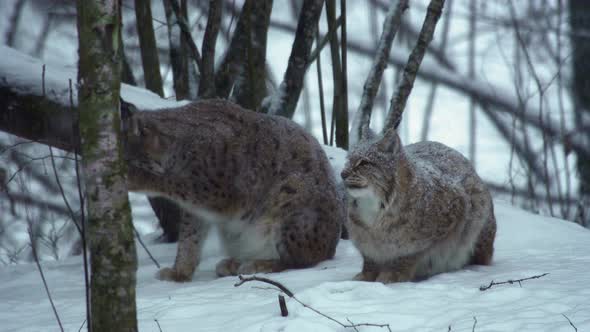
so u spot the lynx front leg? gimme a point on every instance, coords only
(192, 234)
(400, 270)
(369, 273)
(233, 267)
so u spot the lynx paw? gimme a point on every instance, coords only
(260, 266)
(170, 274)
(227, 267)
(388, 277)
(366, 276)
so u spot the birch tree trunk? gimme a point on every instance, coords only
(112, 248)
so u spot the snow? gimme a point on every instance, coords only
(24, 75)
(526, 245)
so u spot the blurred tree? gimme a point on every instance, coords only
(579, 14)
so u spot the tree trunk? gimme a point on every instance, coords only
(580, 25)
(391, 25)
(285, 99)
(112, 247)
(398, 101)
(148, 47)
(167, 212)
(250, 86)
(337, 102)
(178, 57)
(207, 80)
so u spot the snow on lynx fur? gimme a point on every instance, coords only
(416, 211)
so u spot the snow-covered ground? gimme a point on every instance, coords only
(526, 245)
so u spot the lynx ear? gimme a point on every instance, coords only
(129, 120)
(390, 141)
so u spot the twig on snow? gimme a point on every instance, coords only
(572, 324)
(283, 306)
(158, 323)
(474, 323)
(145, 248)
(289, 293)
(81, 326)
(519, 281)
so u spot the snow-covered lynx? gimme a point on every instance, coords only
(262, 179)
(417, 210)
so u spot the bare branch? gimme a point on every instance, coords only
(33, 246)
(342, 128)
(518, 281)
(290, 294)
(321, 43)
(398, 103)
(138, 237)
(321, 91)
(572, 324)
(283, 306)
(186, 32)
(391, 25)
(339, 115)
(277, 284)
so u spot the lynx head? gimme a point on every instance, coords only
(371, 166)
(148, 142)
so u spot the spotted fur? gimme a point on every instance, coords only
(261, 179)
(416, 211)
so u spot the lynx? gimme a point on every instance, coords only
(261, 179)
(416, 211)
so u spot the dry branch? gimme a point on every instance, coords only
(571, 324)
(283, 306)
(290, 294)
(339, 123)
(398, 103)
(518, 281)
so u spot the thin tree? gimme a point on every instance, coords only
(399, 100)
(579, 24)
(177, 48)
(250, 83)
(339, 122)
(111, 239)
(390, 27)
(284, 101)
(148, 47)
(207, 79)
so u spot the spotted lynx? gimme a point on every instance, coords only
(261, 179)
(416, 211)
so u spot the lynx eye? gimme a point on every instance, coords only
(362, 162)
